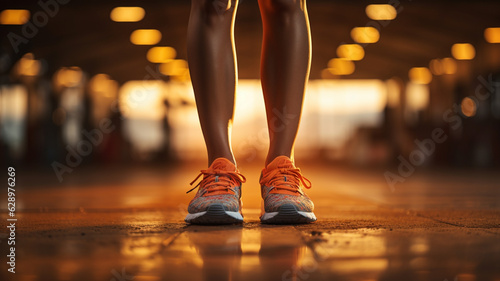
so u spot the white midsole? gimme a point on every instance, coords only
(270, 215)
(235, 215)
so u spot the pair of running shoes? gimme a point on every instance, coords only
(218, 200)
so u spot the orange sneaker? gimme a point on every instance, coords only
(285, 202)
(218, 200)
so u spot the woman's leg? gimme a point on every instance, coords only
(285, 65)
(212, 65)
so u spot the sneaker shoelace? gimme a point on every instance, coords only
(218, 180)
(286, 178)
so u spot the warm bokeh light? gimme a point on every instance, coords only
(443, 66)
(420, 75)
(468, 107)
(341, 66)
(28, 66)
(327, 74)
(102, 84)
(13, 114)
(463, 51)
(393, 92)
(142, 104)
(69, 76)
(365, 34)
(13, 101)
(492, 34)
(127, 14)
(349, 97)
(103, 93)
(353, 52)
(142, 100)
(183, 77)
(449, 65)
(436, 67)
(145, 36)
(381, 12)
(161, 54)
(342, 105)
(14, 17)
(174, 67)
(417, 97)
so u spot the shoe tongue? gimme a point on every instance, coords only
(280, 162)
(223, 164)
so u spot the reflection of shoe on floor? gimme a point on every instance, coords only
(218, 200)
(285, 202)
(216, 242)
(282, 255)
(219, 249)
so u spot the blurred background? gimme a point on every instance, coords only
(97, 115)
(96, 83)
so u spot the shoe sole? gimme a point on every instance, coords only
(215, 214)
(287, 214)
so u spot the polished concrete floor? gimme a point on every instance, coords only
(126, 223)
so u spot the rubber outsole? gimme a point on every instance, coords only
(288, 214)
(215, 214)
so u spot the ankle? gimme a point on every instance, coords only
(271, 157)
(213, 158)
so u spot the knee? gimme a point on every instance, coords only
(214, 7)
(283, 6)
